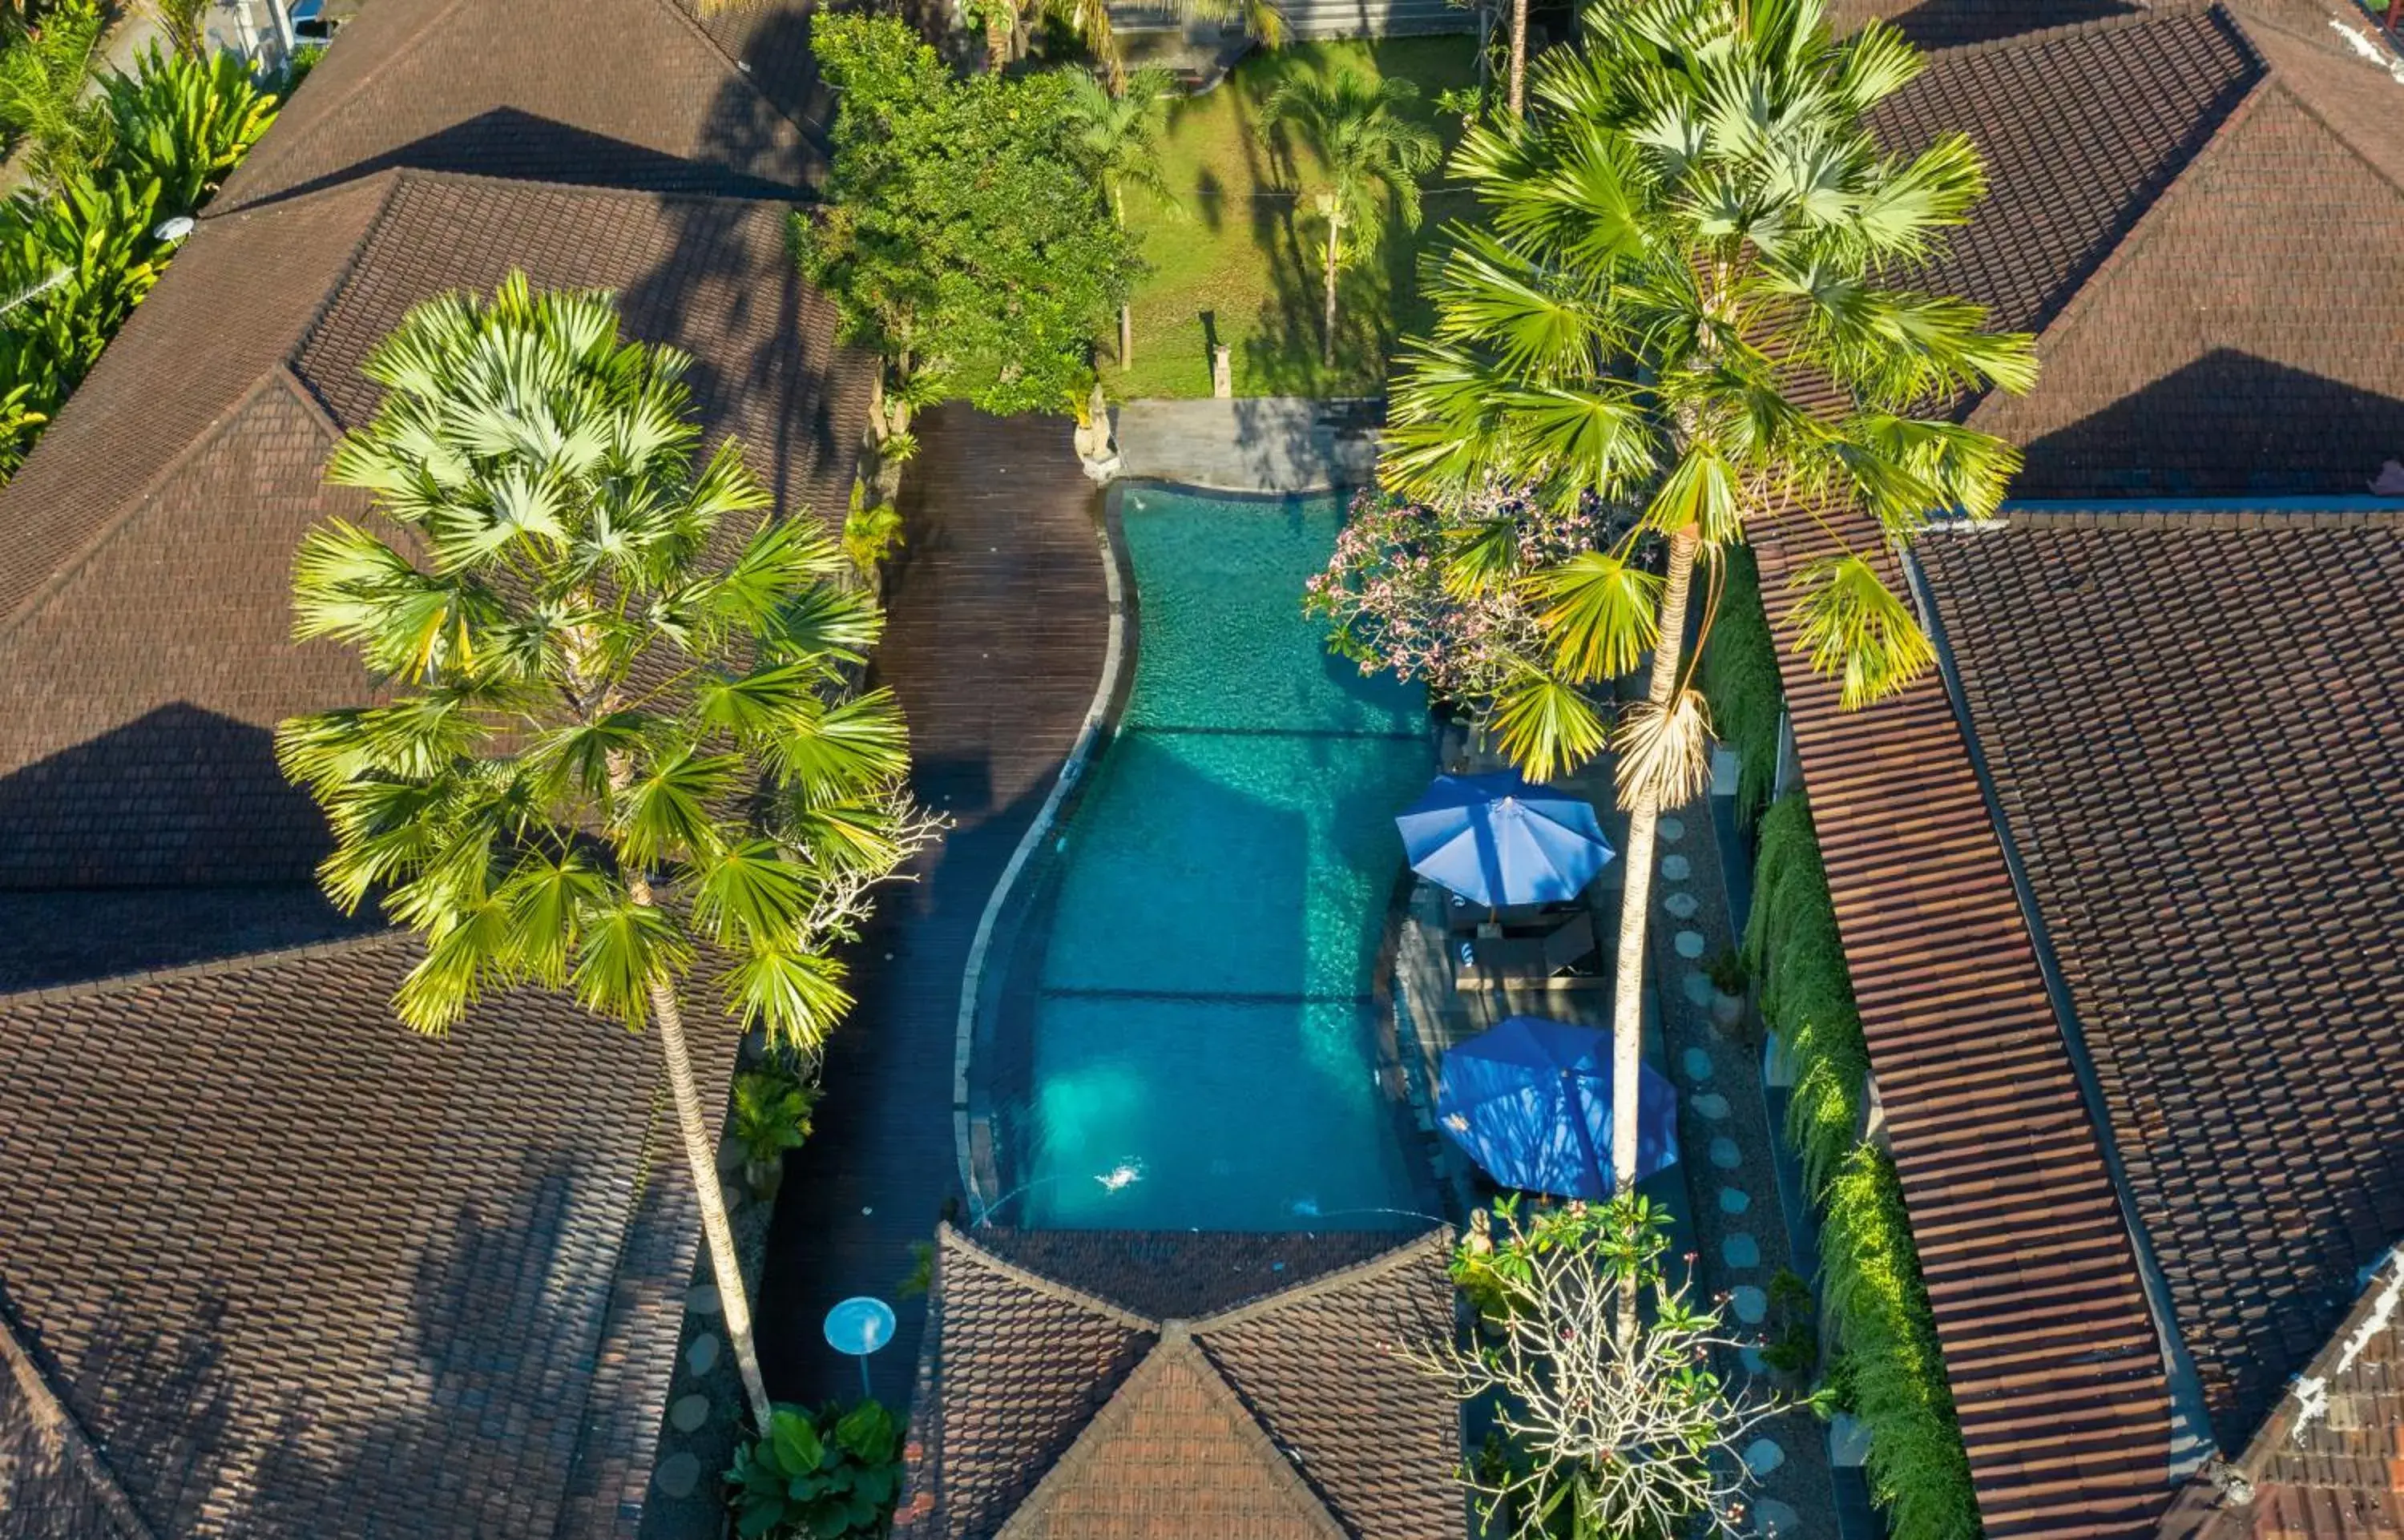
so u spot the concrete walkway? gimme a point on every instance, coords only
(995, 639)
(1261, 443)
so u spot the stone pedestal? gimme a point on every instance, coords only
(1223, 371)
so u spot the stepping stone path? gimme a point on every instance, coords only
(689, 1414)
(1739, 1250)
(1711, 1105)
(679, 1474)
(1775, 1520)
(1681, 905)
(1724, 1154)
(1689, 944)
(1753, 1361)
(1676, 868)
(1763, 1455)
(1698, 989)
(1735, 1200)
(1751, 1304)
(1697, 1063)
(702, 1299)
(701, 1356)
(1671, 830)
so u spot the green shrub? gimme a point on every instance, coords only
(1740, 678)
(185, 123)
(1806, 996)
(830, 1476)
(1895, 1374)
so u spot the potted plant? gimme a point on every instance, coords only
(772, 1115)
(1730, 978)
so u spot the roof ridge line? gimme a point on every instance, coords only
(738, 68)
(216, 967)
(588, 189)
(349, 269)
(2345, 141)
(948, 1234)
(2063, 31)
(1176, 1345)
(1387, 1261)
(122, 514)
(50, 1413)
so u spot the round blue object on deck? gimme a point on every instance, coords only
(859, 1325)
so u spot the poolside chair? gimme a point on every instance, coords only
(1570, 946)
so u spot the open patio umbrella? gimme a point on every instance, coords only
(1530, 1099)
(1497, 840)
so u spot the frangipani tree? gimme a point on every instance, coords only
(621, 754)
(1687, 297)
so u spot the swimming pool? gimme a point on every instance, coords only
(1197, 993)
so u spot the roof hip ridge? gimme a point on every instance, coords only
(960, 1241)
(739, 69)
(1436, 1239)
(241, 962)
(51, 1414)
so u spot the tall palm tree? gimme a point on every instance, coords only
(1117, 137)
(1370, 154)
(620, 754)
(1684, 298)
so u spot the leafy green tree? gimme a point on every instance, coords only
(1116, 138)
(1370, 155)
(1009, 23)
(963, 239)
(1682, 298)
(185, 122)
(73, 265)
(45, 71)
(621, 755)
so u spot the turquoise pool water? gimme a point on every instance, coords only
(1205, 1039)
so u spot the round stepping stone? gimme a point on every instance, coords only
(1698, 989)
(1681, 905)
(1676, 868)
(1689, 944)
(1735, 1200)
(1763, 1455)
(689, 1414)
(701, 1299)
(1775, 1520)
(1671, 830)
(1712, 1105)
(1697, 1063)
(1752, 1360)
(1750, 1304)
(678, 1475)
(1739, 1250)
(1724, 1154)
(702, 1355)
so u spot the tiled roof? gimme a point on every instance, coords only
(625, 93)
(2203, 214)
(2033, 1281)
(2194, 739)
(2329, 1462)
(296, 1271)
(1286, 1405)
(145, 655)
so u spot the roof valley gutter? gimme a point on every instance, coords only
(2192, 1439)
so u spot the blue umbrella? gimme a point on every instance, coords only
(1497, 840)
(1530, 1100)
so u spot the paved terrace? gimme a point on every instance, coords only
(995, 645)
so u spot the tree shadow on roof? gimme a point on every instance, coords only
(2226, 425)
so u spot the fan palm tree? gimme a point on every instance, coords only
(1684, 300)
(1370, 153)
(620, 755)
(1116, 135)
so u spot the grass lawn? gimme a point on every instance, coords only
(1232, 262)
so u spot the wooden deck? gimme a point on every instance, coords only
(995, 646)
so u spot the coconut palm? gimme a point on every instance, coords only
(1116, 135)
(620, 755)
(1370, 153)
(1684, 299)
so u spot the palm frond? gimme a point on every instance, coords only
(1853, 628)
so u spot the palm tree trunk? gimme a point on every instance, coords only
(1635, 907)
(1327, 341)
(701, 1153)
(1127, 311)
(1518, 58)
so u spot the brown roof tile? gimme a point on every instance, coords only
(627, 94)
(2048, 1343)
(2193, 741)
(274, 1313)
(1054, 1409)
(147, 659)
